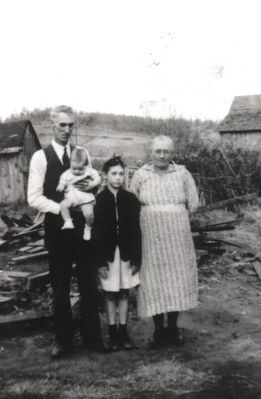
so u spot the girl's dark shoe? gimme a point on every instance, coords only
(159, 339)
(58, 351)
(113, 344)
(175, 337)
(124, 339)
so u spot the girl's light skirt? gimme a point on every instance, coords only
(119, 275)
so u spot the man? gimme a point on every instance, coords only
(168, 194)
(65, 246)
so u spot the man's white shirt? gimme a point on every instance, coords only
(38, 166)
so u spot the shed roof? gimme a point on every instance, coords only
(12, 135)
(244, 115)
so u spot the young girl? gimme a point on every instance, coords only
(80, 169)
(117, 236)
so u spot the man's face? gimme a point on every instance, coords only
(162, 153)
(63, 128)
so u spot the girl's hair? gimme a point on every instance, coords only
(115, 161)
(80, 155)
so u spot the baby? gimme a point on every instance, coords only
(80, 171)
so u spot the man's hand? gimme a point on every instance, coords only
(134, 269)
(82, 185)
(104, 272)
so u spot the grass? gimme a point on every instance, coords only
(140, 373)
(162, 376)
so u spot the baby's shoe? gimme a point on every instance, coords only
(68, 224)
(87, 233)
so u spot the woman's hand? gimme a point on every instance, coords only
(104, 272)
(134, 269)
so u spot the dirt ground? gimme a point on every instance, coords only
(221, 357)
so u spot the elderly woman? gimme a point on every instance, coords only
(169, 284)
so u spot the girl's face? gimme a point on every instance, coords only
(77, 168)
(115, 176)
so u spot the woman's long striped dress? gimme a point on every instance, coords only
(169, 280)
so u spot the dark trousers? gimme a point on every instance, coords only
(65, 248)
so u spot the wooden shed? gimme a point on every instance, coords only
(242, 126)
(18, 142)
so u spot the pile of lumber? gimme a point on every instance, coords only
(25, 296)
(201, 229)
(27, 235)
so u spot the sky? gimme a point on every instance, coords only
(159, 58)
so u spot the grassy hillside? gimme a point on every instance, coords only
(220, 174)
(128, 136)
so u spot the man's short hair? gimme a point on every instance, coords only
(60, 109)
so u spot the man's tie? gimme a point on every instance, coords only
(66, 160)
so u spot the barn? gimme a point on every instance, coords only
(242, 126)
(18, 142)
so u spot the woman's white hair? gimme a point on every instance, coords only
(60, 109)
(162, 138)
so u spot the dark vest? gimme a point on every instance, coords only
(54, 170)
(52, 176)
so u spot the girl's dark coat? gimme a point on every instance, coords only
(107, 232)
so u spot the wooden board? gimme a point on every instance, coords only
(29, 322)
(37, 280)
(24, 258)
(257, 267)
(7, 274)
(19, 324)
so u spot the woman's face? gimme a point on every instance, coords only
(115, 176)
(162, 153)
